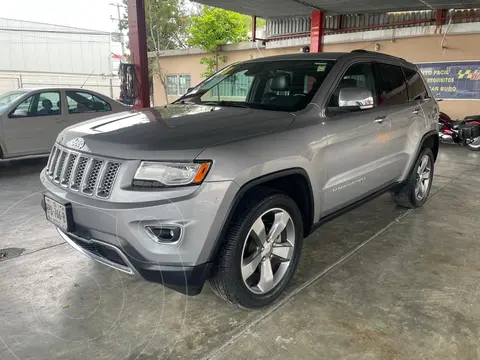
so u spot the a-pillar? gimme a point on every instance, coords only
(138, 51)
(317, 31)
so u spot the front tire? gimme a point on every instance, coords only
(414, 192)
(261, 251)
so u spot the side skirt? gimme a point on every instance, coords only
(354, 205)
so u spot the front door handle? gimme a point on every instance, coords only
(416, 111)
(380, 119)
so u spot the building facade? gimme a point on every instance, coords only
(44, 55)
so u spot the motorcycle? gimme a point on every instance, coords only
(465, 132)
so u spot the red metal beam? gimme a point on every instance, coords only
(138, 51)
(439, 17)
(379, 26)
(392, 25)
(317, 31)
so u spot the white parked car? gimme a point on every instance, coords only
(30, 122)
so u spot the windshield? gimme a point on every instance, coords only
(287, 85)
(8, 97)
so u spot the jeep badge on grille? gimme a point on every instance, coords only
(76, 143)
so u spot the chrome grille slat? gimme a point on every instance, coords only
(108, 179)
(101, 173)
(67, 171)
(53, 165)
(92, 177)
(49, 163)
(59, 166)
(80, 172)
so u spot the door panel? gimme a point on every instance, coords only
(409, 121)
(358, 150)
(393, 95)
(406, 119)
(32, 127)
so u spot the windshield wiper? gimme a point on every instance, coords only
(186, 102)
(226, 103)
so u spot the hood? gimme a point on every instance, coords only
(175, 132)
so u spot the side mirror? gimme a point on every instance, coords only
(355, 98)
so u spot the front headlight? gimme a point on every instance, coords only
(156, 174)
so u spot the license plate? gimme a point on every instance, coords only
(56, 213)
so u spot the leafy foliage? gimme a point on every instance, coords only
(215, 27)
(166, 23)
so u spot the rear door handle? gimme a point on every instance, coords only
(380, 119)
(416, 111)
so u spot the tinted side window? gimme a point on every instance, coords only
(23, 108)
(357, 76)
(100, 104)
(415, 84)
(42, 104)
(390, 84)
(83, 102)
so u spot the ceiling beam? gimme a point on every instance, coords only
(304, 3)
(427, 4)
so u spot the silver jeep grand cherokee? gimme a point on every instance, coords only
(225, 183)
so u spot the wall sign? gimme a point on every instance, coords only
(453, 80)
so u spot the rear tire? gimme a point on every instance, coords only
(261, 251)
(414, 192)
(475, 146)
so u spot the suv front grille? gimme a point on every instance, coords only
(88, 175)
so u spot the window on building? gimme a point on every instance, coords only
(41, 104)
(390, 84)
(416, 86)
(177, 84)
(85, 102)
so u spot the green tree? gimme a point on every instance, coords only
(215, 27)
(166, 23)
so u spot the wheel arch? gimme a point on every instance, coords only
(432, 141)
(279, 180)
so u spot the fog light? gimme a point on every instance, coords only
(165, 233)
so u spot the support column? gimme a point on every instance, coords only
(317, 31)
(138, 51)
(439, 17)
(254, 28)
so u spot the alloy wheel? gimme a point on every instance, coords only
(475, 144)
(423, 178)
(268, 251)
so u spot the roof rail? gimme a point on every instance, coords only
(375, 52)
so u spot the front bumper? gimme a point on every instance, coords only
(113, 233)
(188, 280)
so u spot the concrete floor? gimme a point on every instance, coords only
(377, 283)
